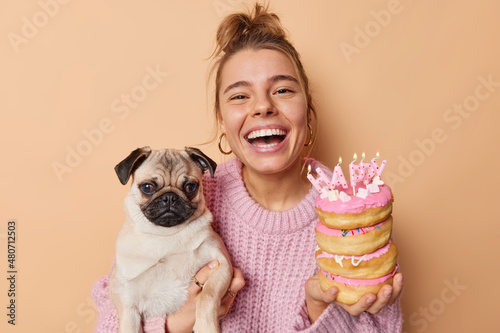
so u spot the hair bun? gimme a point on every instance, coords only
(245, 29)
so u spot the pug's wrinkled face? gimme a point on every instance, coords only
(166, 188)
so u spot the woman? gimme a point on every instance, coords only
(262, 203)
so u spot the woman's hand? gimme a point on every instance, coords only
(183, 321)
(317, 300)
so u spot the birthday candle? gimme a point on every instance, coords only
(352, 171)
(369, 173)
(338, 176)
(313, 180)
(323, 177)
(361, 169)
(378, 170)
(352, 174)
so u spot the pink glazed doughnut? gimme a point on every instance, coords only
(367, 266)
(357, 212)
(351, 290)
(354, 241)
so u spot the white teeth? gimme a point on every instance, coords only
(266, 146)
(266, 132)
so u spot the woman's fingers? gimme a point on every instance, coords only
(360, 306)
(397, 286)
(237, 283)
(383, 297)
(314, 291)
(202, 276)
(375, 303)
(387, 294)
(183, 320)
(318, 300)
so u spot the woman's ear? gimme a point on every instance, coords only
(222, 128)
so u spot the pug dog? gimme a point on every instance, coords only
(166, 238)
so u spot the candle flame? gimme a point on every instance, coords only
(378, 155)
(362, 157)
(308, 168)
(340, 161)
(355, 158)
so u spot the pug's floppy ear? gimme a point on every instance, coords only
(127, 167)
(202, 160)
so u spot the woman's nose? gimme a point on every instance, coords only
(264, 106)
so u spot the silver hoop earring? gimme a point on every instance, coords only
(220, 145)
(311, 139)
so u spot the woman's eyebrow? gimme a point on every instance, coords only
(283, 77)
(274, 78)
(236, 85)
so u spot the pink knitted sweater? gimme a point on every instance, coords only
(275, 252)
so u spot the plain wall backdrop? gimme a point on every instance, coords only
(82, 83)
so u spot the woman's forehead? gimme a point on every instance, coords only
(252, 66)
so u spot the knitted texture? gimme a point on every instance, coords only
(275, 252)
(107, 320)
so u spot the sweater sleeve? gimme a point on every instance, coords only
(107, 319)
(336, 319)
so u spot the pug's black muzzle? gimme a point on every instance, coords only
(169, 210)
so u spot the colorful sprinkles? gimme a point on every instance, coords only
(320, 227)
(345, 232)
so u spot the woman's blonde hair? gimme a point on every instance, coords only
(255, 30)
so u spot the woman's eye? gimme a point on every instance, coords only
(283, 91)
(147, 188)
(237, 97)
(191, 188)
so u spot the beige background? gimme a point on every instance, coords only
(389, 76)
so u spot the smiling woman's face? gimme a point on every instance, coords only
(263, 110)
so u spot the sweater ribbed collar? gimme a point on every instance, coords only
(257, 217)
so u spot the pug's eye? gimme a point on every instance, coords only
(147, 188)
(190, 188)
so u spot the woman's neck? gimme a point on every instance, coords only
(278, 191)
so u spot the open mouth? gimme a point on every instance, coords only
(266, 138)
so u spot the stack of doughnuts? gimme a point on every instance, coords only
(355, 252)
